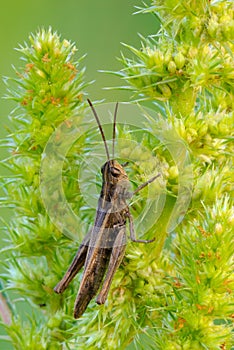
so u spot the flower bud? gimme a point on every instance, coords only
(171, 67)
(158, 58)
(167, 57)
(179, 60)
(54, 321)
(203, 130)
(223, 128)
(213, 27)
(193, 51)
(66, 43)
(41, 73)
(173, 172)
(166, 91)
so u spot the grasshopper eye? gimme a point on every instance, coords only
(115, 172)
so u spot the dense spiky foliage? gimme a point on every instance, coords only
(176, 293)
(187, 69)
(47, 90)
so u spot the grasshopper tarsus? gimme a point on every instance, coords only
(133, 233)
(125, 164)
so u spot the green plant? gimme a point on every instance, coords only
(178, 292)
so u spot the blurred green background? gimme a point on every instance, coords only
(97, 28)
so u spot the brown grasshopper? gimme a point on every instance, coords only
(103, 248)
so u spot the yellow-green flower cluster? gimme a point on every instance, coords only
(205, 266)
(158, 72)
(199, 20)
(221, 22)
(186, 58)
(207, 135)
(51, 84)
(178, 73)
(47, 90)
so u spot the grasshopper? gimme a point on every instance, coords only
(102, 250)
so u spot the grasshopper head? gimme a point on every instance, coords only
(113, 172)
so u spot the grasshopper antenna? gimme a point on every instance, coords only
(100, 128)
(114, 130)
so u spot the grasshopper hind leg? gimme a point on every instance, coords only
(75, 266)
